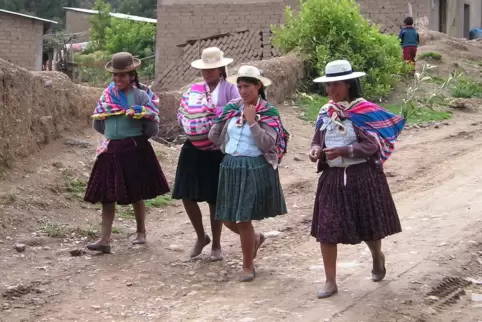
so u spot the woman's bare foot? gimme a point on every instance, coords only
(260, 239)
(328, 290)
(199, 246)
(140, 239)
(216, 255)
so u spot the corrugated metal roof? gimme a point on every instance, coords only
(243, 45)
(27, 16)
(114, 14)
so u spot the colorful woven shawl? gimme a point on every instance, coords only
(266, 113)
(197, 114)
(154, 98)
(372, 119)
(114, 102)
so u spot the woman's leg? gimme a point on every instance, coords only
(232, 226)
(248, 243)
(140, 214)
(216, 229)
(260, 239)
(195, 216)
(329, 253)
(379, 271)
(103, 244)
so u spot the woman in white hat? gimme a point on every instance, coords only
(251, 134)
(198, 166)
(352, 140)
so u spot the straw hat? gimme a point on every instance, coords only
(122, 63)
(338, 70)
(211, 58)
(251, 72)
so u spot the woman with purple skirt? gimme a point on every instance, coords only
(352, 140)
(126, 170)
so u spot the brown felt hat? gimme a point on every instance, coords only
(122, 63)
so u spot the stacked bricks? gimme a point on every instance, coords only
(181, 20)
(242, 45)
(21, 41)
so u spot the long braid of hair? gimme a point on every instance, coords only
(136, 79)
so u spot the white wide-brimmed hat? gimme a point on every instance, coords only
(338, 70)
(251, 72)
(211, 58)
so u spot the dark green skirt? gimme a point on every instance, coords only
(249, 189)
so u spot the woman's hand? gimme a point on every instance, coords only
(332, 153)
(250, 114)
(315, 154)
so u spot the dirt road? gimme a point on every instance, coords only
(435, 175)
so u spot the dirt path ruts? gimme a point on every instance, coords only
(436, 181)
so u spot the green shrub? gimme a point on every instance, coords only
(327, 30)
(430, 55)
(467, 88)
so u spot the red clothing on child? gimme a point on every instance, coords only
(409, 53)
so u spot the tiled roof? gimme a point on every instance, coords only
(242, 45)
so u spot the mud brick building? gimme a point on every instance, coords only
(180, 22)
(21, 39)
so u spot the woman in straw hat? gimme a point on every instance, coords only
(352, 140)
(251, 134)
(198, 167)
(126, 170)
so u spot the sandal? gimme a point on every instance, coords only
(378, 277)
(262, 239)
(140, 239)
(99, 248)
(326, 294)
(247, 277)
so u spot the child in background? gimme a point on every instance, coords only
(126, 170)
(409, 39)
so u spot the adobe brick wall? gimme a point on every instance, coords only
(21, 41)
(286, 72)
(76, 22)
(180, 20)
(391, 13)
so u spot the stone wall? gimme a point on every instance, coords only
(21, 41)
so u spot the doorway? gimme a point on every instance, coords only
(466, 21)
(442, 18)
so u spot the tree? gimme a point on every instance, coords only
(143, 8)
(99, 24)
(138, 38)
